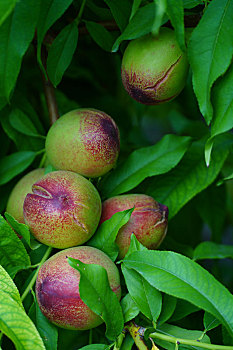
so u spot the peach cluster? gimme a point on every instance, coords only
(63, 208)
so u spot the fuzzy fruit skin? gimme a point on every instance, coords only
(148, 222)
(21, 189)
(64, 209)
(154, 69)
(85, 141)
(57, 288)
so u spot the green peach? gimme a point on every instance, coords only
(21, 189)
(154, 69)
(148, 222)
(57, 288)
(63, 209)
(85, 141)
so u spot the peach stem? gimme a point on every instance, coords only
(33, 280)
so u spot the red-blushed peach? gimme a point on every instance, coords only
(57, 288)
(154, 69)
(85, 141)
(63, 209)
(148, 222)
(21, 189)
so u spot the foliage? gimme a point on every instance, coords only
(59, 55)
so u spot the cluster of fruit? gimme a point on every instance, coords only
(63, 208)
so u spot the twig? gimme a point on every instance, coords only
(33, 280)
(49, 90)
(181, 341)
(137, 333)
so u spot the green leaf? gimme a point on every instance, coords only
(13, 253)
(160, 9)
(211, 250)
(50, 11)
(179, 332)
(135, 7)
(104, 238)
(95, 347)
(223, 104)
(97, 295)
(14, 322)
(20, 101)
(127, 343)
(223, 109)
(181, 277)
(175, 12)
(147, 298)
(135, 245)
(183, 309)
(22, 230)
(61, 52)
(189, 4)
(227, 339)
(22, 123)
(140, 24)
(212, 208)
(7, 286)
(22, 143)
(120, 10)
(14, 164)
(189, 178)
(168, 307)
(15, 39)
(129, 308)
(210, 322)
(146, 162)
(6, 7)
(210, 51)
(47, 331)
(100, 35)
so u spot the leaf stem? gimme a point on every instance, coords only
(119, 341)
(33, 280)
(40, 151)
(42, 161)
(78, 18)
(182, 341)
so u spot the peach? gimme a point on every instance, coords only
(63, 209)
(57, 288)
(19, 192)
(154, 69)
(148, 222)
(85, 141)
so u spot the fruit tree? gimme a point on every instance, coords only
(116, 170)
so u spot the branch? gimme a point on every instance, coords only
(181, 341)
(189, 21)
(137, 333)
(49, 91)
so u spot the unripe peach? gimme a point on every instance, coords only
(57, 288)
(85, 141)
(63, 210)
(19, 192)
(154, 69)
(148, 222)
